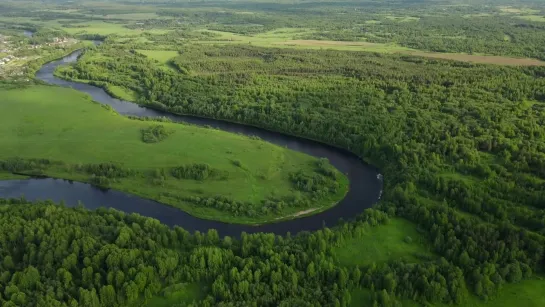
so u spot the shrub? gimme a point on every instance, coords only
(100, 181)
(155, 134)
(325, 168)
(197, 171)
(19, 164)
(108, 170)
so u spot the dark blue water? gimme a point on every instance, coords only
(365, 184)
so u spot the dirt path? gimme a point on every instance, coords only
(296, 214)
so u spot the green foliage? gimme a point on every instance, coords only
(237, 163)
(100, 181)
(263, 209)
(16, 165)
(313, 183)
(195, 171)
(109, 170)
(325, 168)
(108, 258)
(155, 134)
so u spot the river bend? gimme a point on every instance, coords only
(364, 190)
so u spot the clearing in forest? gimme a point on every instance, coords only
(397, 239)
(162, 56)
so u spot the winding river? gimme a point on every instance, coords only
(365, 183)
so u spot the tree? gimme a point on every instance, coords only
(107, 296)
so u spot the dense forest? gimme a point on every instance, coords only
(54, 256)
(450, 137)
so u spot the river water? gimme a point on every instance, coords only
(365, 182)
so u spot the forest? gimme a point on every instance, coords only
(449, 137)
(56, 256)
(460, 146)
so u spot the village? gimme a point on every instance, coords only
(15, 53)
(6, 59)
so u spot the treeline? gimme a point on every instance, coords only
(243, 208)
(34, 166)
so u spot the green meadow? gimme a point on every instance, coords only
(44, 122)
(179, 294)
(162, 56)
(399, 239)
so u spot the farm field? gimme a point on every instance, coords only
(73, 130)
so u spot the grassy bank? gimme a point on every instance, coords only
(64, 125)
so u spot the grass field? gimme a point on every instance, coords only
(533, 18)
(122, 93)
(517, 10)
(64, 125)
(182, 296)
(162, 56)
(528, 293)
(384, 243)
